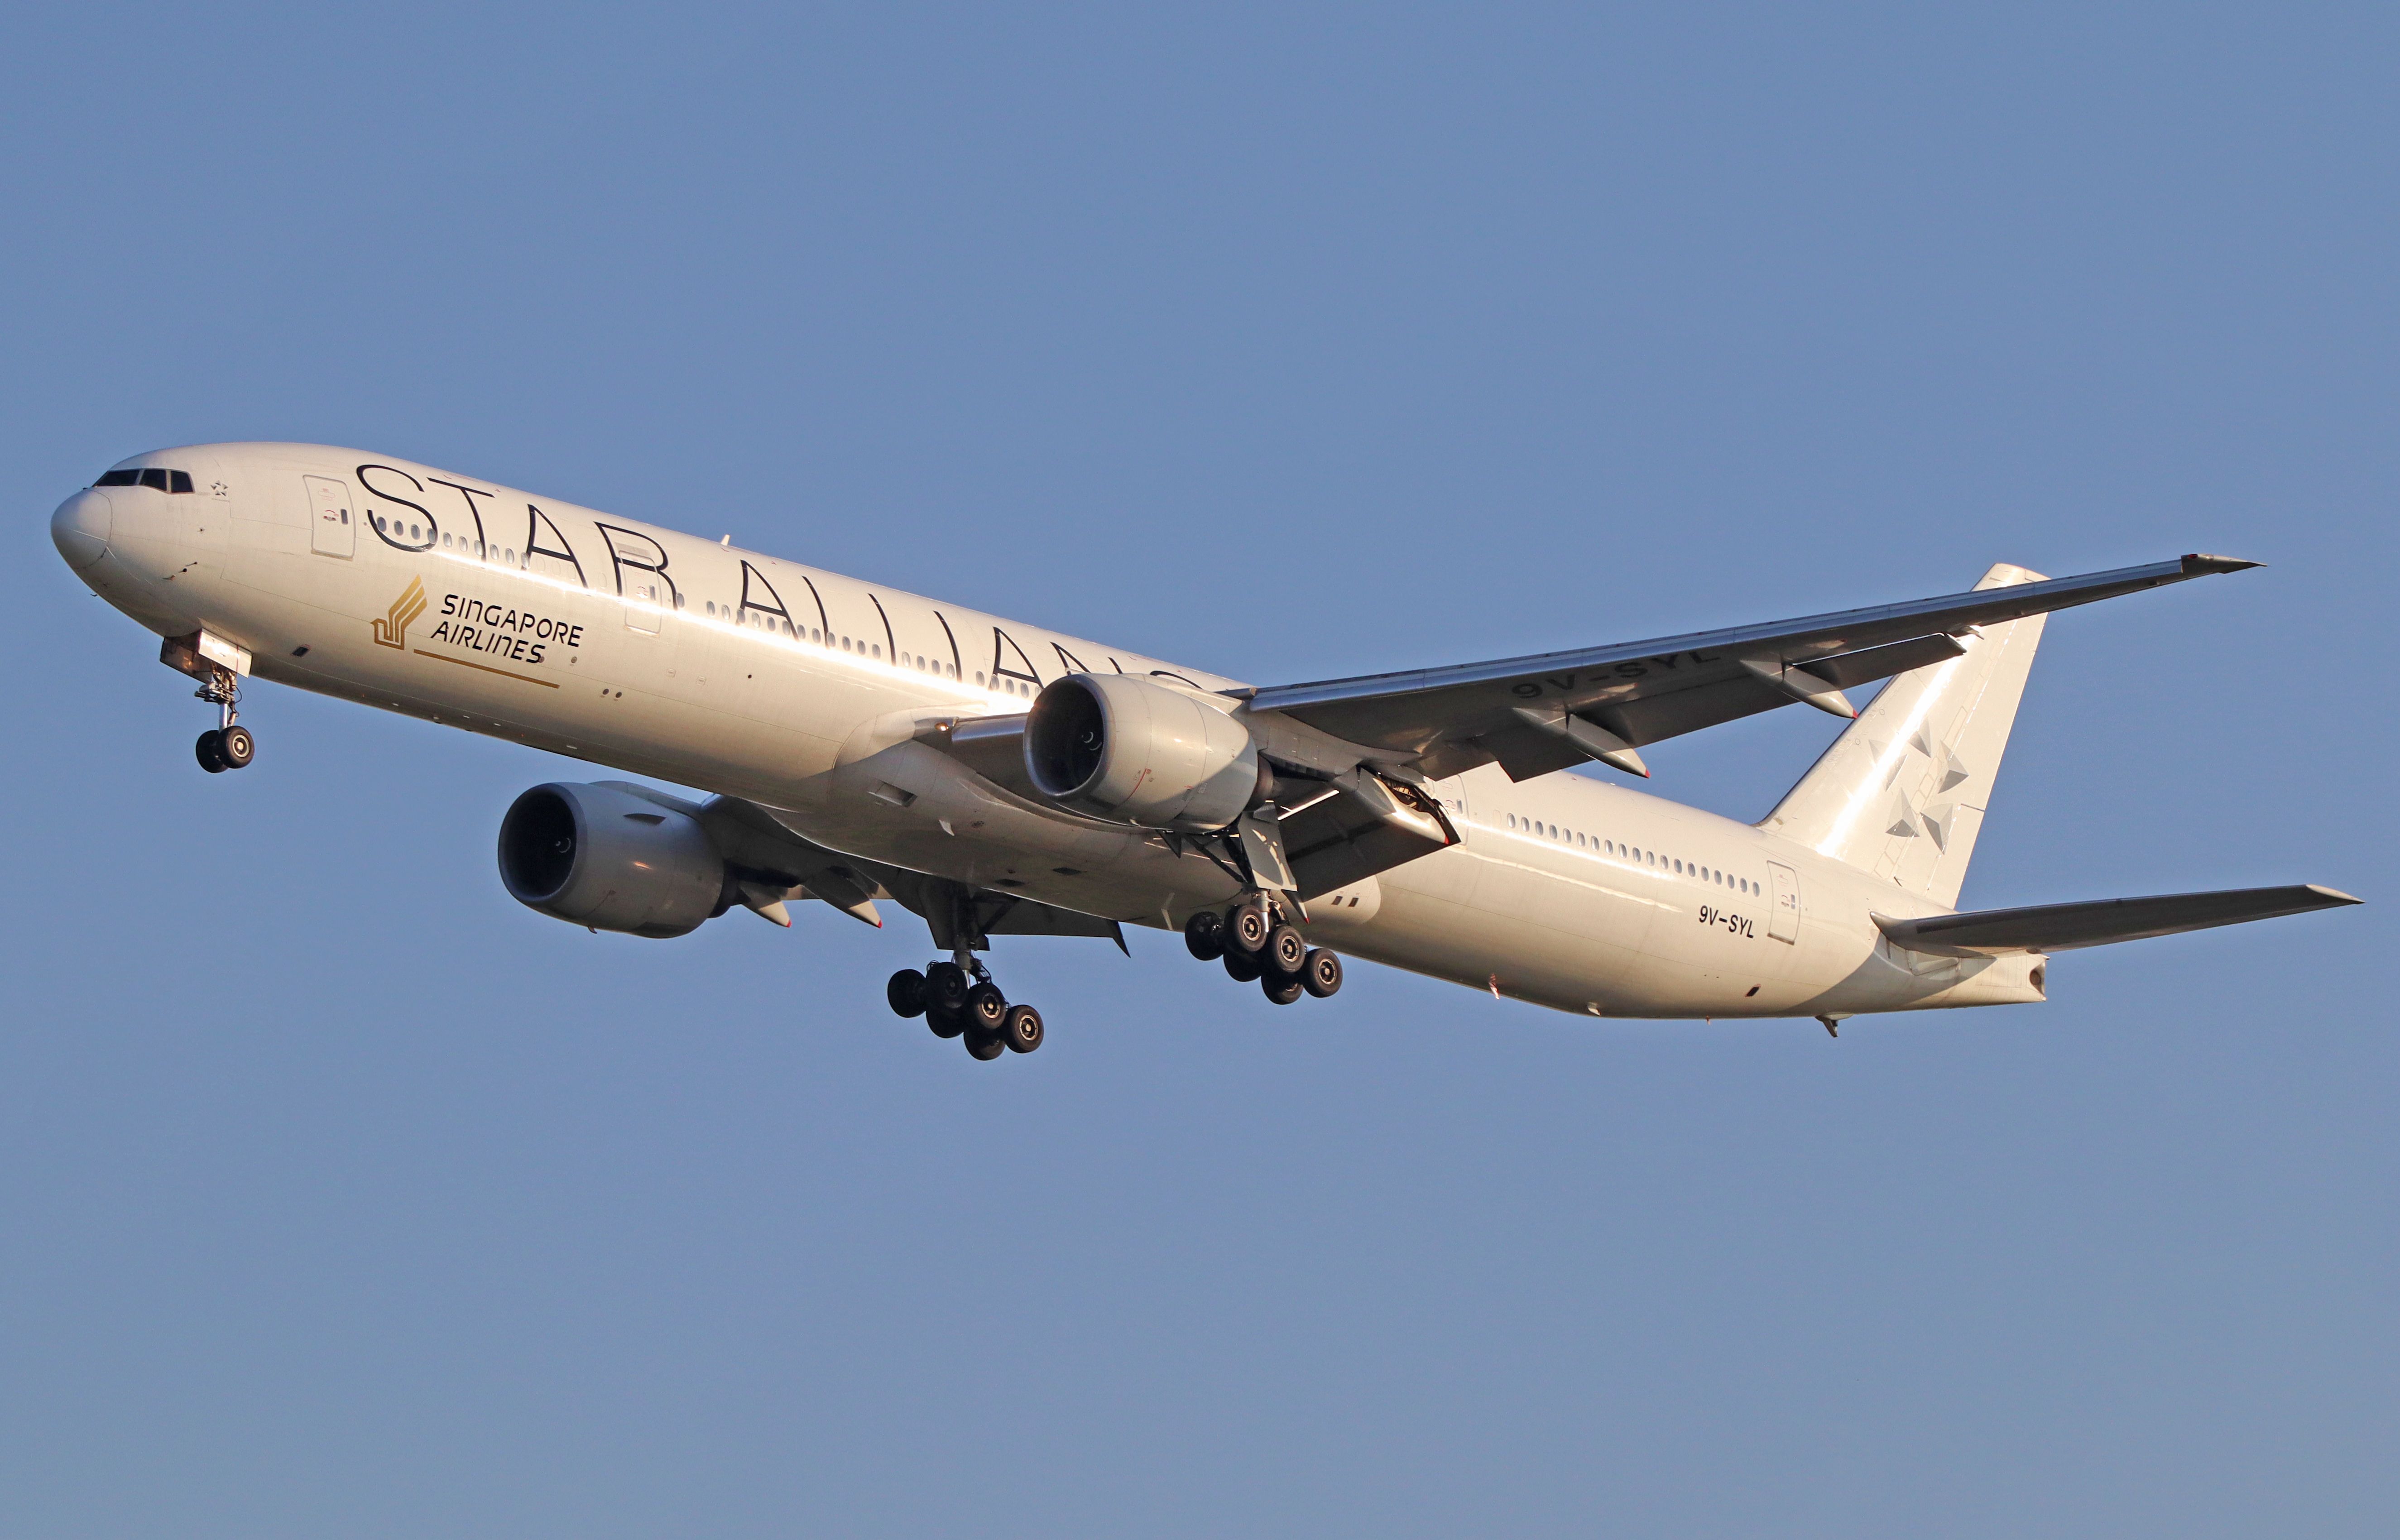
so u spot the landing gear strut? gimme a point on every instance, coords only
(958, 998)
(1258, 943)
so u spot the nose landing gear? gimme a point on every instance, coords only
(957, 999)
(228, 745)
(218, 665)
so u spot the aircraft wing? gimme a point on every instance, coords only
(1544, 712)
(2064, 927)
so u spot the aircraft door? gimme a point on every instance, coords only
(333, 529)
(1783, 913)
(645, 606)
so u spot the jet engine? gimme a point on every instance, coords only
(595, 855)
(1135, 751)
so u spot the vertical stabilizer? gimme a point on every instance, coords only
(1901, 791)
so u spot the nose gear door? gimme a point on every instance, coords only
(332, 531)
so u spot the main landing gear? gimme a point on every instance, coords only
(957, 999)
(227, 745)
(1258, 945)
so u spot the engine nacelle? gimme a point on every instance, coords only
(1133, 751)
(597, 856)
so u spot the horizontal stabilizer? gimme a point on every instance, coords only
(2063, 927)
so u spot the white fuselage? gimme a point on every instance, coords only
(673, 656)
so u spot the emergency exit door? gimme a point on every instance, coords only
(1783, 912)
(332, 531)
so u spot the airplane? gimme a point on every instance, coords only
(861, 744)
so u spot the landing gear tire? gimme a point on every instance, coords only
(946, 985)
(1204, 936)
(1285, 950)
(210, 752)
(1281, 987)
(1243, 967)
(236, 747)
(1245, 931)
(905, 993)
(985, 1045)
(1321, 973)
(944, 1024)
(1021, 1028)
(985, 1009)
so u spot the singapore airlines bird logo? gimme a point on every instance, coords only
(393, 630)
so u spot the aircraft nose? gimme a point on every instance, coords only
(80, 528)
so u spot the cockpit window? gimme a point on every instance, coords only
(154, 477)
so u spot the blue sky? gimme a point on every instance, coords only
(342, 1195)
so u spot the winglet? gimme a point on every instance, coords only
(2197, 566)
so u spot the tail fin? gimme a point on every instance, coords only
(1901, 791)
